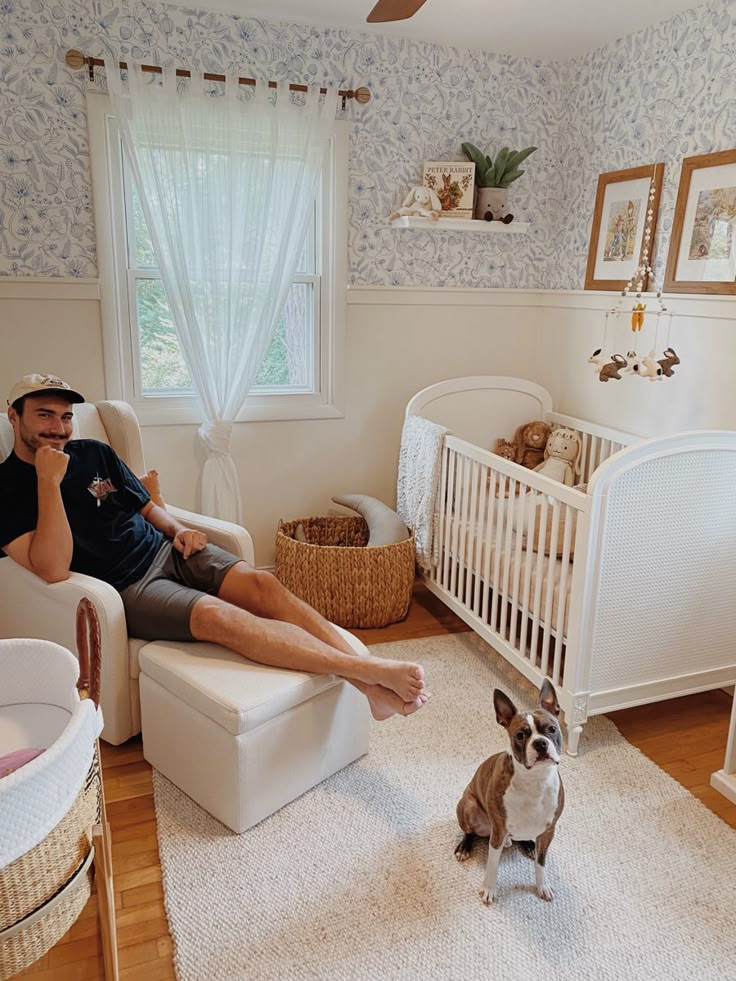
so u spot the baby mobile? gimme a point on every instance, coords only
(609, 367)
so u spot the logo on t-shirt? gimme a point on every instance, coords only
(101, 488)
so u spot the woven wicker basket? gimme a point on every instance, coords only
(334, 572)
(43, 892)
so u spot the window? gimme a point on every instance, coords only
(301, 373)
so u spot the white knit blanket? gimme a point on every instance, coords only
(420, 460)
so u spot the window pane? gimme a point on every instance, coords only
(288, 360)
(143, 248)
(162, 366)
(307, 263)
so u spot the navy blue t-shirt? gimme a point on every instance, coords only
(102, 498)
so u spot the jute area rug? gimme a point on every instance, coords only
(357, 878)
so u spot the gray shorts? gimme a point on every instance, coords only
(159, 605)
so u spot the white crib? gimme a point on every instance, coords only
(635, 601)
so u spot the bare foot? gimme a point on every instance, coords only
(385, 703)
(406, 679)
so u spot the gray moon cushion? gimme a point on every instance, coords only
(385, 527)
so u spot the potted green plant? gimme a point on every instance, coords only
(493, 178)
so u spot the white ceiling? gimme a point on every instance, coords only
(554, 30)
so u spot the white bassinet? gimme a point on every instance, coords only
(48, 807)
(622, 593)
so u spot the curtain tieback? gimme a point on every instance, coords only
(216, 436)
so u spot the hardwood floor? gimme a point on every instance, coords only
(685, 736)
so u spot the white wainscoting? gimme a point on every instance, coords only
(48, 288)
(397, 341)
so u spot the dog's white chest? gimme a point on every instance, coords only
(531, 804)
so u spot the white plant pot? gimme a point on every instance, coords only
(491, 200)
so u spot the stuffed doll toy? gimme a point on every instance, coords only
(529, 441)
(562, 456)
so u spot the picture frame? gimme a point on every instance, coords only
(702, 250)
(617, 239)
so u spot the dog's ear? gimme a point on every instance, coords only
(548, 698)
(505, 708)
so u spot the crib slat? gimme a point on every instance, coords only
(437, 551)
(510, 511)
(531, 544)
(504, 482)
(457, 520)
(584, 455)
(472, 533)
(450, 529)
(480, 535)
(561, 624)
(462, 566)
(550, 585)
(540, 543)
(520, 515)
(488, 541)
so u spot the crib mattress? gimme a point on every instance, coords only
(545, 573)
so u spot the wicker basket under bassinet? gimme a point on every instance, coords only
(43, 890)
(348, 583)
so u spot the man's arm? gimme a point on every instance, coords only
(186, 540)
(47, 551)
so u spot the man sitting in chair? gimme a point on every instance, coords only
(77, 506)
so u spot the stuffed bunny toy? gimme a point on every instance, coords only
(562, 456)
(422, 201)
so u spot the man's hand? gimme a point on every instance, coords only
(187, 541)
(51, 464)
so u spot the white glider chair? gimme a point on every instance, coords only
(240, 738)
(33, 608)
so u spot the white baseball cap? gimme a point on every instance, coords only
(32, 384)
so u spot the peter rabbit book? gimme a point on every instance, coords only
(453, 181)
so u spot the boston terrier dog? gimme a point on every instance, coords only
(516, 795)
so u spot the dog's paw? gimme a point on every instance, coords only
(464, 848)
(487, 898)
(546, 894)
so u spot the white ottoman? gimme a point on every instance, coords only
(240, 738)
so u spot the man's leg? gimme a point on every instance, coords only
(262, 594)
(287, 645)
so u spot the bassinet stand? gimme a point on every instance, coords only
(89, 651)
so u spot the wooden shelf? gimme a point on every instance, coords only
(460, 225)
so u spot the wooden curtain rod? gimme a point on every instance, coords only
(76, 61)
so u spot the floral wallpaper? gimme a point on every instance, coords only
(664, 93)
(660, 95)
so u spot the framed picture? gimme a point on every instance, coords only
(617, 238)
(702, 253)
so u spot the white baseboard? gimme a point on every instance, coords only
(724, 783)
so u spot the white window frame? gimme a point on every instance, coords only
(120, 335)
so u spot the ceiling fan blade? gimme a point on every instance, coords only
(388, 10)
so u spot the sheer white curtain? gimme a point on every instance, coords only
(227, 183)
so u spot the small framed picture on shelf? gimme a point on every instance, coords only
(453, 181)
(702, 252)
(617, 239)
